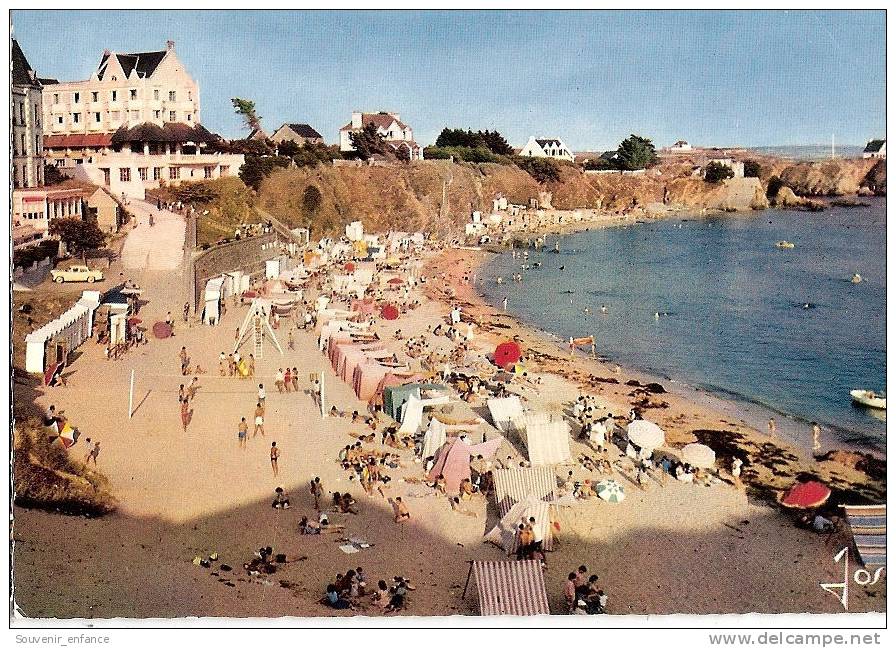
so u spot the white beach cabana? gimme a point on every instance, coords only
(66, 333)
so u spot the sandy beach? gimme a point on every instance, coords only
(672, 548)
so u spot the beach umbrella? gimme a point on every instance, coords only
(805, 495)
(68, 437)
(349, 267)
(395, 281)
(610, 490)
(161, 330)
(645, 434)
(698, 455)
(390, 312)
(507, 353)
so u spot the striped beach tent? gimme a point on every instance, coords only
(510, 587)
(514, 485)
(869, 532)
(503, 410)
(505, 533)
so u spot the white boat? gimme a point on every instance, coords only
(869, 398)
(784, 245)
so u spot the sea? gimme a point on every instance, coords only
(711, 306)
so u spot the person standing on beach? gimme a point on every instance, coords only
(243, 432)
(278, 380)
(222, 367)
(251, 366)
(772, 427)
(88, 446)
(816, 437)
(317, 490)
(186, 414)
(261, 394)
(184, 361)
(94, 453)
(275, 455)
(259, 420)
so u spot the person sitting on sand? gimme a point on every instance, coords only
(381, 595)
(466, 489)
(281, 499)
(334, 600)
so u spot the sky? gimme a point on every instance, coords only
(727, 78)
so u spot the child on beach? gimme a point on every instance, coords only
(243, 431)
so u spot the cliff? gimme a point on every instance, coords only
(438, 196)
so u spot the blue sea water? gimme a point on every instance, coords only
(732, 317)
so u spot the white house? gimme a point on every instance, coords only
(547, 147)
(396, 133)
(875, 149)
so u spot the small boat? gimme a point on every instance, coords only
(869, 398)
(856, 278)
(784, 245)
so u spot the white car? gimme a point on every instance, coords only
(76, 273)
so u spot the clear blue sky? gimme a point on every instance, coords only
(713, 78)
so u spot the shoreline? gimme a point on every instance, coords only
(772, 463)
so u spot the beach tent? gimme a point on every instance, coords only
(396, 396)
(546, 438)
(505, 532)
(214, 293)
(503, 410)
(412, 412)
(513, 485)
(434, 438)
(510, 587)
(869, 532)
(52, 343)
(453, 461)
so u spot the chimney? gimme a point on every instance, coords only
(169, 45)
(357, 119)
(106, 52)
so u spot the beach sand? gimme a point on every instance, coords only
(677, 548)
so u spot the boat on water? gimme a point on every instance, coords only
(869, 398)
(784, 245)
(856, 278)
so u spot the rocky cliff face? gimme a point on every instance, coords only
(438, 196)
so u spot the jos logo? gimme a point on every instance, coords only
(861, 577)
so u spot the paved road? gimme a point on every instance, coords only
(160, 247)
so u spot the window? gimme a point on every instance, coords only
(115, 95)
(172, 95)
(55, 98)
(157, 114)
(155, 94)
(208, 171)
(172, 115)
(37, 114)
(116, 115)
(76, 97)
(97, 117)
(124, 174)
(135, 115)
(173, 173)
(22, 113)
(189, 117)
(94, 96)
(143, 173)
(225, 169)
(24, 145)
(133, 93)
(190, 95)
(76, 118)
(157, 173)
(60, 119)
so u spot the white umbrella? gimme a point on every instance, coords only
(610, 490)
(645, 434)
(698, 455)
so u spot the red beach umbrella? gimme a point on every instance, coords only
(806, 495)
(349, 267)
(395, 281)
(161, 330)
(390, 312)
(507, 353)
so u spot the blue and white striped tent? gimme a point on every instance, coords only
(869, 532)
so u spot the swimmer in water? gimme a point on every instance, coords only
(603, 309)
(562, 267)
(656, 315)
(587, 311)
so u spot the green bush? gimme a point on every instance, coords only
(476, 155)
(716, 172)
(752, 169)
(542, 169)
(257, 168)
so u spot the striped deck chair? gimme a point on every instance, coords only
(869, 532)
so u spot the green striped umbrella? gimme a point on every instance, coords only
(610, 490)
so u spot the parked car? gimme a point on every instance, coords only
(76, 273)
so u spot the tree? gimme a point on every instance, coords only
(635, 153)
(257, 168)
(403, 154)
(52, 175)
(493, 141)
(246, 109)
(752, 169)
(368, 142)
(716, 172)
(78, 235)
(542, 169)
(311, 201)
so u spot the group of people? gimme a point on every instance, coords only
(582, 593)
(347, 592)
(233, 364)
